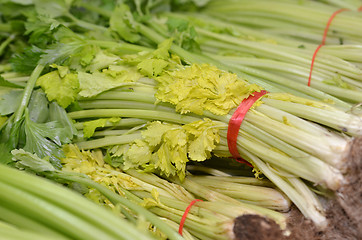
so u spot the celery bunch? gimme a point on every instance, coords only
(154, 92)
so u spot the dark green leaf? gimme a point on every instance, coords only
(38, 107)
(58, 114)
(43, 140)
(26, 61)
(10, 101)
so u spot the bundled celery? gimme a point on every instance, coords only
(102, 84)
(214, 220)
(298, 149)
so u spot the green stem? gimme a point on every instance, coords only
(116, 199)
(134, 113)
(65, 208)
(6, 43)
(308, 210)
(5, 27)
(124, 122)
(28, 91)
(21, 221)
(109, 141)
(258, 195)
(48, 213)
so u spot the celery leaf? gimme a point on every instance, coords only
(90, 126)
(122, 23)
(203, 87)
(43, 140)
(63, 90)
(9, 101)
(92, 84)
(166, 148)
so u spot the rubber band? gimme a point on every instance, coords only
(235, 123)
(184, 216)
(324, 40)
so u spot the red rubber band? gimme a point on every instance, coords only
(235, 123)
(184, 216)
(324, 40)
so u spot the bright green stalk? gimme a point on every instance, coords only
(125, 47)
(277, 66)
(124, 122)
(50, 214)
(116, 104)
(287, 54)
(27, 91)
(109, 141)
(86, 25)
(73, 210)
(13, 233)
(134, 113)
(319, 94)
(309, 15)
(28, 223)
(202, 20)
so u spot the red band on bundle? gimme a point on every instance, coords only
(235, 123)
(184, 216)
(324, 40)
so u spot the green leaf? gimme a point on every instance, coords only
(63, 90)
(122, 22)
(152, 67)
(40, 29)
(178, 24)
(68, 130)
(115, 76)
(203, 87)
(27, 160)
(203, 136)
(10, 101)
(166, 148)
(43, 140)
(38, 107)
(91, 126)
(53, 9)
(5, 83)
(5, 155)
(26, 61)
(102, 60)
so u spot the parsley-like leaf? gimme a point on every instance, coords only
(26, 62)
(43, 140)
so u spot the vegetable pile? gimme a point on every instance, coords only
(127, 102)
